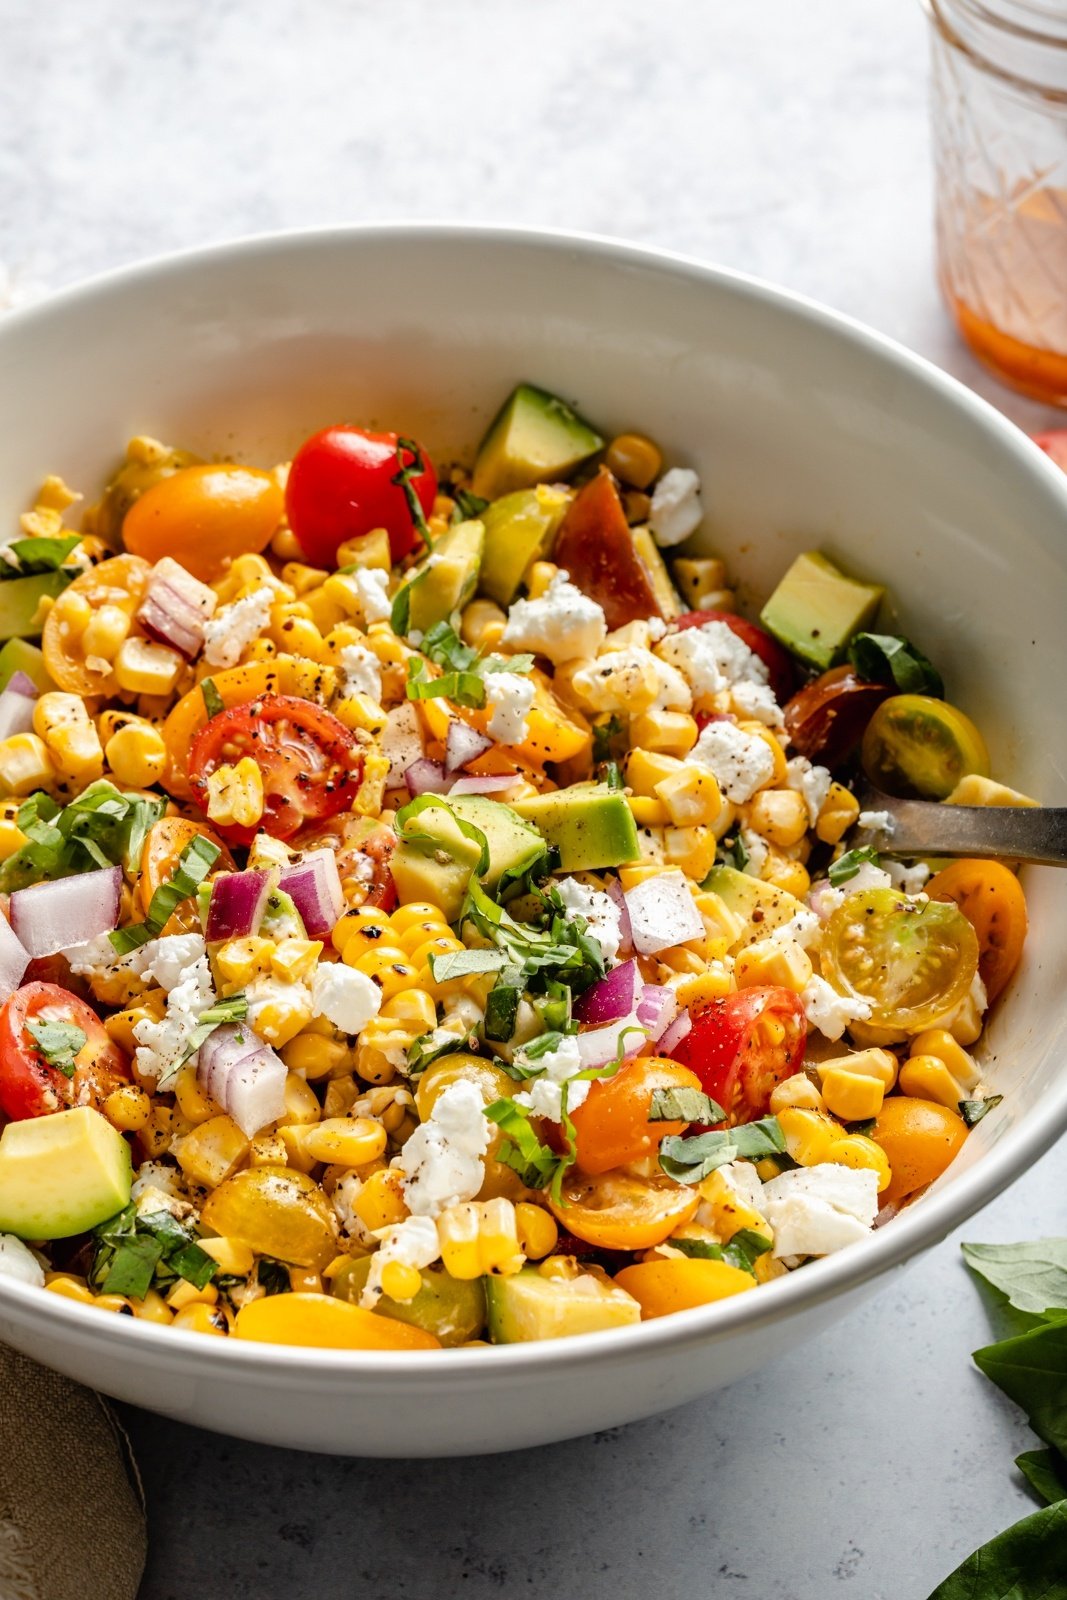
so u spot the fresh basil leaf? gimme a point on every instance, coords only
(133, 1266)
(611, 774)
(430, 802)
(848, 865)
(468, 506)
(430, 1047)
(134, 1251)
(464, 688)
(501, 1009)
(887, 658)
(684, 1105)
(194, 864)
(213, 701)
(1032, 1275)
(521, 662)
(461, 963)
(866, 1126)
(545, 1044)
(690, 1159)
(415, 468)
(732, 853)
(1031, 1368)
(698, 1249)
(444, 647)
(39, 555)
(101, 828)
(521, 1149)
(193, 1264)
(1025, 1562)
(972, 1111)
(273, 1276)
(1046, 1473)
(400, 611)
(59, 1043)
(745, 1249)
(559, 954)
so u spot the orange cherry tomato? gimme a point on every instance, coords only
(662, 1287)
(120, 582)
(620, 1211)
(991, 898)
(920, 1139)
(164, 843)
(612, 1125)
(29, 1085)
(204, 516)
(323, 1323)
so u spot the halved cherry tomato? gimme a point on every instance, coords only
(740, 1047)
(205, 516)
(164, 843)
(29, 1087)
(775, 659)
(325, 1323)
(826, 719)
(311, 764)
(911, 962)
(919, 1138)
(362, 847)
(612, 1124)
(663, 1287)
(595, 544)
(1054, 444)
(620, 1211)
(341, 485)
(991, 898)
(119, 582)
(920, 746)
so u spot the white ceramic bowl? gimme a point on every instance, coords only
(805, 429)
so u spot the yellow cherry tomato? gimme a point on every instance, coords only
(921, 746)
(612, 1125)
(920, 1139)
(278, 1212)
(619, 1211)
(204, 516)
(72, 664)
(913, 963)
(320, 1321)
(991, 898)
(662, 1287)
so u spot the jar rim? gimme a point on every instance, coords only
(1021, 41)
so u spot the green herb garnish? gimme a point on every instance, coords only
(132, 1252)
(273, 1276)
(468, 506)
(58, 1042)
(973, 1111)
(39, 555)
(501, 1009)
(887, 658)
(403, 480)
(463, 669)
(684, 1105)
(233, 1009)
(102, 828)
(688, 1159)
(743, 1250)
(732, 853)
(194, 864)
(848, 865)
(522, 1150)
(606, 739)
(213, 701)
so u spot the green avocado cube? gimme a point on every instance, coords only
(527, 1306)
(17, 655)
(590, 825)
(20, 598)
(62, 1174)
(816, 609)
(519, 529)
(534, 438)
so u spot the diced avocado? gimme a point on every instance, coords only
(452, 1309)
(760, 906)
(519, 528)
(437, 863)
(590, 825)
(18, 656)
(527, 1306)
(62, 1174)
(816, 609)
(667, 597)
(513, 844)
(20, 599)
(534, 438)
(444, 582)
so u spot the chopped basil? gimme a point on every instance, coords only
(684, 1105)
(403, 480)
(59, 1043)
(866, 1126)
(689, 1159)
(461, 963)
(468, 506)
(213, 701)
(973, 1111)
(463, 688)
(194, 864)
(273, 1276)
(698, 1249)
(848, 865)
(521, 1149)
(742, 1252)
(101, 828)
(501, 1009)
(611, 773)
(887, 658)
(463, 668)
(561, 953)
(132, 1252)
(430, 1047)
(39, 555)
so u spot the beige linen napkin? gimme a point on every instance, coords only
(72, 1524)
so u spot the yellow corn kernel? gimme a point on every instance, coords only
(153, 1308)
(856, 1150)
(537, 1231)
(158, 1132)
(645, 769)
(115, 1303)
(780, 816)
(364, 927)
(267, 1150)
(77, 754)
(127, 1108)
(974, 790)
(143, 667)
(185, 1293)
(25, 764)
(301, 1103)
(202, 1318)
(669, 733)
(380, 1202)
(852, 1096)
(838, 813)
(638, 873)
(71, 1288)
(634, 459)
(647, 813)
(809, 1135)
(768, 961)
(137, 755)
(792, 876)
(121, 1024)
(479, 1237)
(294, 959)
(302, 579)
(696, 580)
(285, 546)
(928, 1078)
(240, 960)
(703, 987)
(280, 1019)
(346, 1141)
(106, 630)
(483, 624)
(315, 1055)
(401, 1281)
(940, 1043)
(367, 550)
(690, 849)
(235, 794)
(304, 1280)
(691, 796)
(539, 578)
(234, 1257)
(728, 1210)
(360, 714)
(297, 1155)
(12, 837)
(343, 1092)
(211, 1151)
(796, 1092)
(193, 1103)
(873, 1063)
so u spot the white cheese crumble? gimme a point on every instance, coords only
(812, 782)
(868, 876)
(371, 588)
(442, 1162)
(361, 673)
(804, 928)
(413, 1242)
(562, 623)
(662, 912)
(228, 632)
(343, 996)
(910, 880)
(829, 1011)
(544, 1096)
(632, 679)
(741, 762)
(18, 1261)
(676, 511)
(161, 1045)
(881, 820)
(756, 702)
(293, 999)
(712, 658)
(509, 696)
(600, 912)
(814, 1211)
(824, 899)
(170, 957)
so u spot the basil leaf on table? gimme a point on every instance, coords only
(1033, 1275)
(1027, 1561)
(1045, 1472)
(1032, 1370)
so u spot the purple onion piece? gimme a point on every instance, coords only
(425, 777)
(238, 901)
(613, 997)
(496, 784)
(464, 744)
(314, 884)
(14, 959)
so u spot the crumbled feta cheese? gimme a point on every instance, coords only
(234, 626)
(910, 880)
(741, 762)
(814, 1211)
(880, 820)
(343, 1197)
(544, 1097)
(812, 782)
(361, 673)
(171, 956)
(743, 1179)
(272, 999)
(18, 1261)
(756, 702)
(632, 679)
(442, 1161)
(371, 588)
(157, 1179)
(343, 996)
(161, 1045)
(829, 1011)
(676, 511)
(712, 658)
(867, 876)
(509, 696)
(804, 928)
(562, 623)
(656, 628)
(600, 912)
(98, 958)
(824, 899)
(413, 1242)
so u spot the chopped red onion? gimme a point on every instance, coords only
(16, 705)
(496, 784)
(315, 886)
(49, 917)
(657, 1009)
(600, 1046)
(14, 959)
(626, 937)
(22, 684)
(244, 1076)
(674, 1034)
(464, 744)
(238, 901)
(175, 607)
(662, 913)
(425, 777)
(613, 997)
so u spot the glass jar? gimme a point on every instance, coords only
(999, 116)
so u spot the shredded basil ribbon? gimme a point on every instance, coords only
(194, 864)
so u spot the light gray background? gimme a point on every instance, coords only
(790, 141)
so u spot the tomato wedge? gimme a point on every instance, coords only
(311, 764)
(612, 1127)
(991, 898)
(29, 1086)
(827, 719)
(620, 1211)
(759, 641)
(362, 847)
(595, 544)
(912, 963)
(740, 1047)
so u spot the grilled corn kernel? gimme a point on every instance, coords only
(768, 961)
(856, 1150)
(202, 1318)
(235, 794)
(704, 987)
(852, 1096)
(234, 1257)
(780, 816)
(669, 733)
(729, 1211)
(142, 667)
(25, 764)
(105, 631)
(121, 1024)
(838, 813)
(634, 459)
(483, 624)
(153, 1308)
(539, 578)
(211, 1151)
(137, 755)
(691, 796)
(873, 1063)
(537, 1231)
(360, 713)
(809, 1135)
(193, 1103)
(647, 813)
(695, 580)
(267, 1150)
(240, 960)
(297, 1155)
(367, 550)
(940, 1043)
(792, 876)
(12, 837)
(690, 849)
(294, 959)
(158, 1131)
(127, 1108)
(71, 1288)
(796, 1092)
(645, 769)
(301, 1104)
(346, 1141)
(479, 1237)
(928, 1078)
(401, 1281)
(115, 1303)
(380, 1202)
(314, 1055)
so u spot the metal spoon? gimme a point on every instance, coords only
(928, 828)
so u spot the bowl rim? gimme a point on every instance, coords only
(917, 1228)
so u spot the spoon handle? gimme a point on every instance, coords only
(927, 828)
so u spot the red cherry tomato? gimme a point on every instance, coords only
(29, 1087)
(770, 652)
(362, 849)
(741, 1046)
(1054, 444)
(311, 764)
(341, 485)
(595, 544)
(827, 719)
